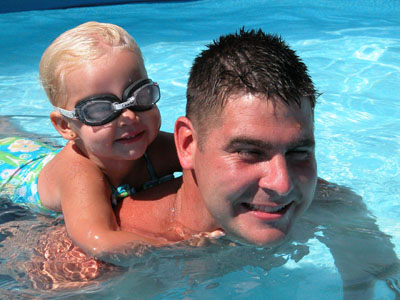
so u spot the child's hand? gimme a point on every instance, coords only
(199, 240)
(59, 264)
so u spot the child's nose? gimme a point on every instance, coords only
(127, 117)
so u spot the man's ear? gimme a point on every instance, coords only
(185, 142)
(62, 126)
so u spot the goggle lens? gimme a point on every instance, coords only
(97, 111)
(145, 97)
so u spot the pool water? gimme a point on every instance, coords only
(352, 49)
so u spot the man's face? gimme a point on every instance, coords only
(256, 169)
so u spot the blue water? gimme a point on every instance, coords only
(352, 49)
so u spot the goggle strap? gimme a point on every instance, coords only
(66, 113)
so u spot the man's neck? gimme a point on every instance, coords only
(189, 207)
(174, 211)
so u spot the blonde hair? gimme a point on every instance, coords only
(75, 47)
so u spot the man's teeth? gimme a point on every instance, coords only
(265, 208)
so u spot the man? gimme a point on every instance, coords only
(247, 151)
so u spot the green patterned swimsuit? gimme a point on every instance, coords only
(21, 161)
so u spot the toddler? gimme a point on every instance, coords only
(105, 107)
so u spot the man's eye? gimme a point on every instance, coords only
(249, 153)
(299, 154)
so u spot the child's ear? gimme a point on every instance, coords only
(62, 126)
(185, 142)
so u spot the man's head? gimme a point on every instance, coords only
(247, 143)
(245, 62)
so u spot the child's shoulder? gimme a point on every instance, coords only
(65, 173)
(71, 156)
(69, 164)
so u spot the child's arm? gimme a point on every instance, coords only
(73, 184)
(89, 216)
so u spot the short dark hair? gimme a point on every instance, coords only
(245, 62)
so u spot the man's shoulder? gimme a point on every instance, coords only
(154, 196)
(149, 206)
(332, 192)
(334, 203)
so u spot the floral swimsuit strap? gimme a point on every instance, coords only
(125, 190)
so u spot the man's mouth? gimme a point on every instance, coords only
(267, 211)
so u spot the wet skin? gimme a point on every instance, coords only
(256, 171)
(128, 136)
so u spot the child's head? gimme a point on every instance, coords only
(76, 47)
(95, 78)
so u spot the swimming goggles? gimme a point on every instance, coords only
(98, 110)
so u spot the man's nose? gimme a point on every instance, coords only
(276, 175)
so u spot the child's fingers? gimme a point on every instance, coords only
(215, 234)
(199, 240)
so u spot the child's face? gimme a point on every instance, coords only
(128, 136)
